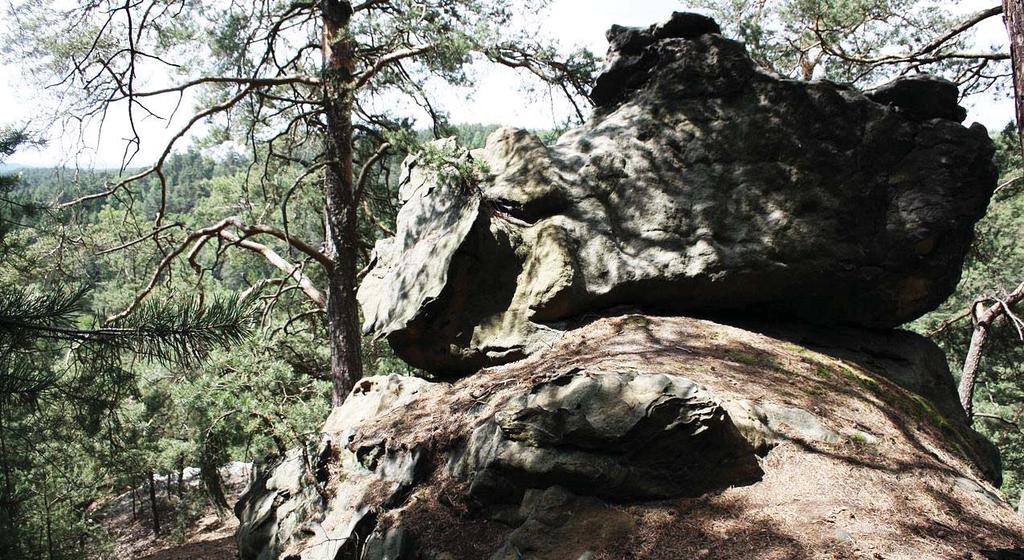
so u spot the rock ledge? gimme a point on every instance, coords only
(641, 437)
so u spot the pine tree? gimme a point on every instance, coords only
(314, 84)
(50, 361)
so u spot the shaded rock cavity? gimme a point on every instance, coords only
(617, 436)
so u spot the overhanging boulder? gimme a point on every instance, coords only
(702, 184)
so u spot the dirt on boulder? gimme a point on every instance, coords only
(604, 425)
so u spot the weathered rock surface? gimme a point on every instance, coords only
(644, 437)
(701, 185)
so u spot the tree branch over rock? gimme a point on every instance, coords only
(983, 321)
(292, 82)
(865, 43)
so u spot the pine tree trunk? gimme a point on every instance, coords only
(983, 322)
(181, 477)
(49, 527)
(1013, 16)
(969, 375)
(49, 519)
(340, 203)
(6, 501)
(213, 482)
(152, 504)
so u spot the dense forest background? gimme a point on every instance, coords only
(229, 360)
(993, 268)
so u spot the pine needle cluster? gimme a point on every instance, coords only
(33, 324)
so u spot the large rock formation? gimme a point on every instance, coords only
(702, 184)
(645, 437)
(802, 213)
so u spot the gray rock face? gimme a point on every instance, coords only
(616, 437)
(636, 437)
(284, 498)
(620, 437)
(701, 185)
(921, 97)
(289, 511)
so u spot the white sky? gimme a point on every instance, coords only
(497, 99)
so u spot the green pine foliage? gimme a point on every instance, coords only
(994, 267)
(196, 376)
(864, 42)
(79, 411)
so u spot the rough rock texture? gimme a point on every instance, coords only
(645, 437)
(701, 185)
(812, 216)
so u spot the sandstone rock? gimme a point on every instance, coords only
(277, 504)
(921, 97)
(701, 185)
(557, 524)
(766, 425)
(638, 437)
(629, 59)
(619, 437)
(908, 359)
(968, 485)
(433, 202)
(286, 512)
